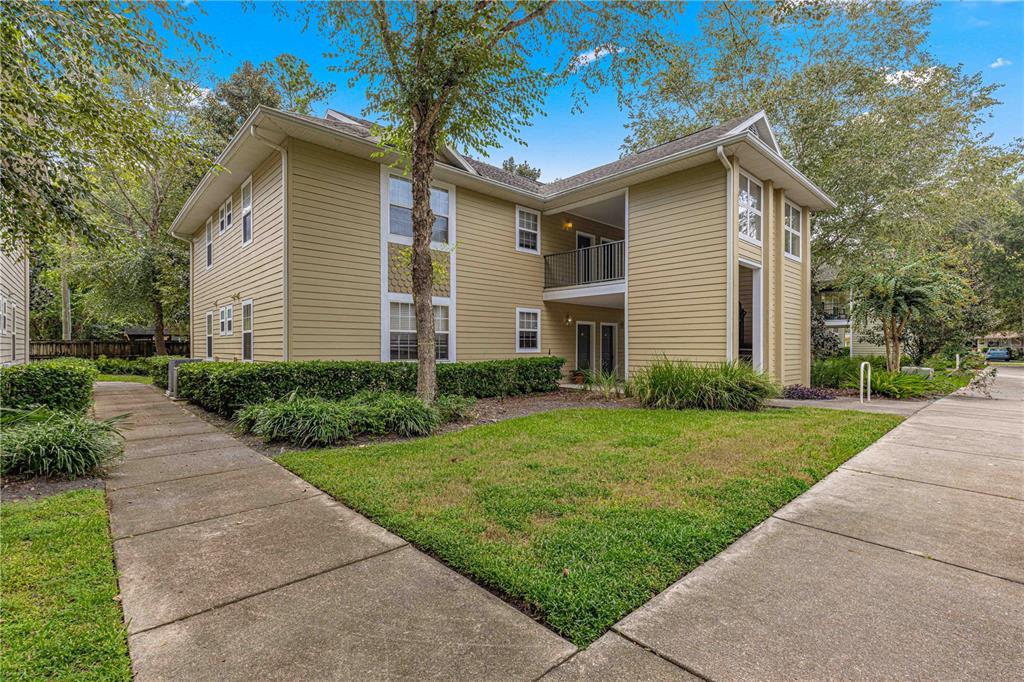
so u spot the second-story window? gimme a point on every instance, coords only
(209, 243)
(220, 220)
(527, 230)
(793, 231)
(750, 208)
(400, 210)
(247, 211)
(227, 214)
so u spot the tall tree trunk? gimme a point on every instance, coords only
(422, 267)
(158, 326)
(65, 304)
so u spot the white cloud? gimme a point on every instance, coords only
(585, 58)
(978, 23)
(1000, 62)
(908, 77)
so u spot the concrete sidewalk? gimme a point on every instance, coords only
(232, 568)
(906, 563)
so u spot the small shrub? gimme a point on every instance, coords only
(798, 392)
(138, 367)
(717, 386)
(378, 414)
(224, 387)
(607, 384)
(453, 408)
(895, 384)
(301, 421)
(64, 385)
(58, 445)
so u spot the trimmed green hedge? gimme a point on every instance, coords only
(224, 387)
(64, 385)
(105, 365)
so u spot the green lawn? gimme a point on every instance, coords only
(136, 378)
(581, 516)
(59, 616)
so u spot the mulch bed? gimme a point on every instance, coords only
(36, 487)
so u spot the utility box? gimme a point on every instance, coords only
(172, 375)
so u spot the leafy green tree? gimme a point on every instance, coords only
(285, 82)
(857, 103)
(466, 74)
(62, 108)
(899, 288)
(521, 168)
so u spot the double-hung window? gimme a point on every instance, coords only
(527, 330)
(793, 231)
(3, 314)
(247, 330)
(750, 208)
(227, 214)
(226, 320)
(247, 211)
(209, 335)
(400, 209)
(527, 230)
(403, 332)
(220, 220)
(209, 243)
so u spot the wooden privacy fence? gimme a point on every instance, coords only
(42, 350)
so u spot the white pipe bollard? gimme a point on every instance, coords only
(862, 366)
(958, 362)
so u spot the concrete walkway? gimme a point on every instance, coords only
(232, 568)
(906, 563)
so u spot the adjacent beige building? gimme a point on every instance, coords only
(14, 301)
(697, 249)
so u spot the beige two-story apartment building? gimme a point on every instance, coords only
(14, 301)
(696, 249)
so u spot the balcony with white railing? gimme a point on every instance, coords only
(593, 275)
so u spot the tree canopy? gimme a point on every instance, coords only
(520, 168)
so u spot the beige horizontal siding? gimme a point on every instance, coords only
(677, 267)
(333, 255)
(240, 272)
(792, 322)
(15, 288)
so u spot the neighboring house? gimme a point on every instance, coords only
(695, 249)
(834, 305)
(1012, 340)
(14, 295)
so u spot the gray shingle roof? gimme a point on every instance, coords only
(362, 128)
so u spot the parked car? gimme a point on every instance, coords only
(997, 355)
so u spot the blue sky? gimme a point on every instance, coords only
(986, 37)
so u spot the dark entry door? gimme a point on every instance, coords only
(607, 349)
(584, 342)
(585, 258)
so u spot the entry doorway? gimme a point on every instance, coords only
(585, 346)
(608, 347)
(749, 322)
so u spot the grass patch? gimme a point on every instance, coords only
(583, 515)
(134, 378)
(60, 619)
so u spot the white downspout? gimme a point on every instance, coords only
(730, 219)
(284, 230)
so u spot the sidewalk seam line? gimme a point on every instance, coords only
(937, 485)
(133, 458)
(219, 516)
(897, 549)
(185, 478)
(270, 589)
(660, 655)
(142, 440)
(556, 665)
(933, 447)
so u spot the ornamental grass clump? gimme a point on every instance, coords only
(41, 442)
(717, 386)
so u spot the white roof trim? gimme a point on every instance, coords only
(458, 159)
(760, 119)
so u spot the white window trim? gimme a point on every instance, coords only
(3, 314)
(524, 209)
(759, 211)
(407, 298)
(229, 214)
(252, 329)
(208, 244)
(208, 338)
(220, 220)
(247, 211)
(518, 329)
(230, 320)
(407, 241)
(799, 235)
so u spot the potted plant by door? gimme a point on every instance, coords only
(579, 376)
